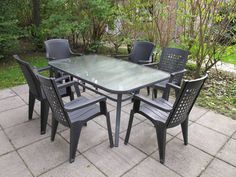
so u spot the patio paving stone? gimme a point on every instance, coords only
(5, 144)
(218, 122)
(11, 166)
(114, 161)
(26, 133)
(24, 152)
(11, 103)
(80, 168)
(196, 113)
(15, 116)
(218, 168)
(185, 160)
(228, 153)
(127, 108)
(234, 136)
(143, 136)
(25, 97)
(101, 120)
(6, 93)
(44, 155)
(206, 139)
(21, 89)
(150, 168)
(91, 135)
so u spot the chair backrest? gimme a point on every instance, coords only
(173, 60)
(185, 101)
(142, 50)
(54, 99)
(30, 77)
(57, 48)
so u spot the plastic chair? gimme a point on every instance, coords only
(141, 53)
(164, 114)
(35, 91)
(173, 61)
(75, 113)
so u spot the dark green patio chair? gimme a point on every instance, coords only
(173, 61)
(35, 91)
(75, 113)
(164, 114)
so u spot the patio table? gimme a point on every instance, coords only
(111, 75)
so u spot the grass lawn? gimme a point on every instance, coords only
(230, 55)
(10, 73)
(230, 59)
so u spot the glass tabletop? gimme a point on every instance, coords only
(111, 74)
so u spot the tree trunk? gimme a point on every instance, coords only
(36, 12)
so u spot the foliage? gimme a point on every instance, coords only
(230, 55)
(95, 15)
(203, 28)
(11, 74)
(9, 29)
(9, 33)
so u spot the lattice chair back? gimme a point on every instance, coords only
(142, 50)
(57, 48)
(54, 99)
(30, 77)
(173, 60)
(185, 101)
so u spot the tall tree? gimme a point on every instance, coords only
(36, 12)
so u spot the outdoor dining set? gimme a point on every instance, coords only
(114, 78)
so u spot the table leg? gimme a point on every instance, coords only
(118, 112)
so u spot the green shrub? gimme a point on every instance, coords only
(9, 33)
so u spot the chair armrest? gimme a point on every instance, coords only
(62, 78)
(85, 104)
(153, 65)
(67, 84)
(176, 87)
(144, 62)
(76, 54)
(43, 68)
(152, 103)
(178, 72)
(174, 74)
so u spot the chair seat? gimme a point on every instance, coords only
(154, 113)
(82, 114)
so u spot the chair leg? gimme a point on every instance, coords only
(83, 87)
(148, 90)
(184, 127)
(54, 128)
(44, 115)
(161, 139)
(71, 93)
(154, 92)
(129, 126)
(75, 131)
(166, 94)
(31, 105)
(109, 129)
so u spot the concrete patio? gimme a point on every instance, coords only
(24, 152)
